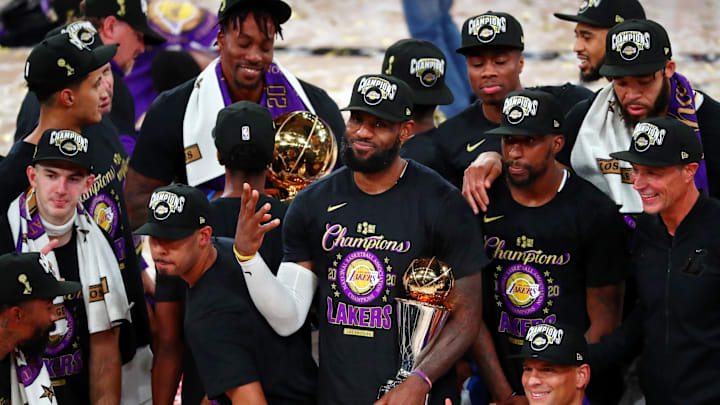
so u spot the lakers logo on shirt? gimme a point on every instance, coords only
(523, 288)
(105, 213)
(362, 277)
(175, 17)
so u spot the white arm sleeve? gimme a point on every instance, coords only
(284, 300)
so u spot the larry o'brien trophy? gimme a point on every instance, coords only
(305, 150)
(428, 282)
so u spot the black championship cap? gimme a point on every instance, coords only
(278, 8)
(29, 276)
(554, 343)
(133, 12)
(244, 125)
(422, 66)
(635, 48)
(175, 212)
(605, 13)
(66, 145)
(662, 141)
(531, 113)
(60, 60)
(83, 31)
(383, 96)
(491, 29)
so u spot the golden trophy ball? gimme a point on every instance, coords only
(305, 150)
(428, 280)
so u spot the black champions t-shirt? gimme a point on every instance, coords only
(67, 356)
(462, 138)
(233, 345)
(361, 245)
(543, 259)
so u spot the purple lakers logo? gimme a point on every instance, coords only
(63, 334)
(361, 276)
(105, 213)
(523, 289)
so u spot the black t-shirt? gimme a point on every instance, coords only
(234, 345)
(122, 113)
(159, 152)
(105, 202)
(422, 148)
(361, 245)
(462, 138)
(707, 116)
(5, 380)
(543, 259)
(67, 356)
(223, 219)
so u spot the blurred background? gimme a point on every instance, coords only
(330, 42)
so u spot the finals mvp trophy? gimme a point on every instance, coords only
(428, 282)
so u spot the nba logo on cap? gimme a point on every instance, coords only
(245, 133)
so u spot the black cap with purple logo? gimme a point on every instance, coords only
(175, 212)
(29, 276)
(636, 48)
(65, 145)
(492, 29)
(554, 343)
(383, 96)
(662, 141)
(133, 12)
(605, 13)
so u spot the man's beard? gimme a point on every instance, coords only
(375, 163)
(36, 344)
(533, 173)
(661, 104)
(591, 76)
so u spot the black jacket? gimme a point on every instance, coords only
(676, 326)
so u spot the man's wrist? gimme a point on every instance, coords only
(240, 257)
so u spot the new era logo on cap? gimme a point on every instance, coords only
(516, 108)
(646, 135)
(165, 203)
(376, 89)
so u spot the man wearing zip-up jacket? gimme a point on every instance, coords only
(676, 254)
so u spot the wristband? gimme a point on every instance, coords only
(241, 257)
(422, 375)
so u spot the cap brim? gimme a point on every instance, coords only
(150, 36)
(463, 50)
(62, 288)
(103, 54)
(549, 359)
(441, 96)
(62, 159)
(380, 114)
(168, 232)
(641, 160)
(580, 19)
(502, 130)
(631, 70)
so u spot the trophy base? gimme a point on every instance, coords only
(391, 384)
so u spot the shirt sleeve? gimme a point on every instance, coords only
(296, 243)
(222, 347)
(607, 259)
(459, 237)
(158, 153)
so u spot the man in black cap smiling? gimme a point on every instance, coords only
(555, 365)
(27, 316)
(83, 357)
(351, 236)
(644, 84)
(245, 139)
(175, 143)
(593, 20)
(241, 360)
(492, 43)
(676, 263)
(577, 278)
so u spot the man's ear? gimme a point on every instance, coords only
(88, 182)
(205, 235)
(66, 97)
(557, 143)
(521, 63)
(688, 172)
(31, 175)
(669, 68)
(406, 130)
(582, 376)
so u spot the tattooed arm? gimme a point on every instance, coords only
(604, 308)
(454, 340)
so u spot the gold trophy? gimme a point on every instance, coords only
(428, 282)
(305, 150)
